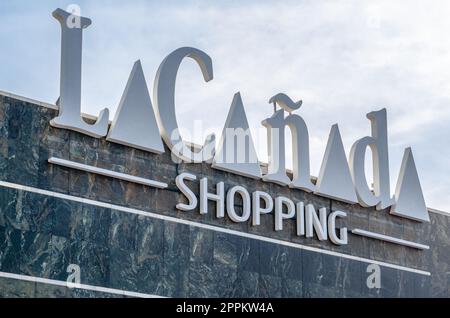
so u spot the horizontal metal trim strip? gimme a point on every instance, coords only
(77, 286)
(108, 173)
(207, 226)
(390, 239)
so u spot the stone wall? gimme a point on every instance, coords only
(42, 233)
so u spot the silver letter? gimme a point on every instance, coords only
(342, 239)
(245, 204)
(408, 192)
(179, 180)
(164, 99)
(257, 209)
(219, 198)
(236, 152)
(134, 124)
(70, 86)
(279, 215)
(319, 224)
(300, 147)
(335, 180)
(379, 145)
(300, 219)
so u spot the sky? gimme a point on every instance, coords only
(342, 58)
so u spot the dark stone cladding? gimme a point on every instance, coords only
(41, 235)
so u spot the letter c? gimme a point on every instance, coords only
(164, 100)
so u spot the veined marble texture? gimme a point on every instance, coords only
(41, 235)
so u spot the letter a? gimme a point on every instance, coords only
(335, 180)
(134, 124)
(408, 192)
(236, 152)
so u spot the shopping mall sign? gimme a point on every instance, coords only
(145, 123)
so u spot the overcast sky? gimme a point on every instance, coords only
(342, 58)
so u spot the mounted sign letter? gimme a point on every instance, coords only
(379, 145)
(236, 152)
(335, 180)
(70, 86)
(164, 99)
(408, 192)
(300, 146)
(134, 124)
(139, 124)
